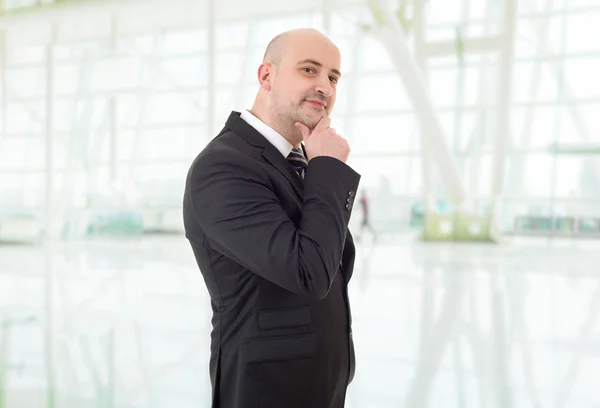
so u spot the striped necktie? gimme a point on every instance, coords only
(298, 161)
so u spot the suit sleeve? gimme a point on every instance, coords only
(240, 214)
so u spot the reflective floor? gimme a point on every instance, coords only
(125, 323)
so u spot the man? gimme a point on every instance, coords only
(365, 224)
(267, 219)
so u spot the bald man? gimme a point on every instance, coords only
(266, 211)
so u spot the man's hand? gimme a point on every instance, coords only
(323, 141)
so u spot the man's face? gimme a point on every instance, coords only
(304, 87)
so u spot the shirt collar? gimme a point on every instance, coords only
(280, 142)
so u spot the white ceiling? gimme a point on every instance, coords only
(93, 17)
(167, 12)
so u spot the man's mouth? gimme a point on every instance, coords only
(317, 103)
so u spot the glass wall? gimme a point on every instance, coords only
(128, 100)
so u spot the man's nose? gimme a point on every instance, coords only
(324, 87)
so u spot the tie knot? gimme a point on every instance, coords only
(297, 160)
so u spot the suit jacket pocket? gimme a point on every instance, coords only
(279, 348)
(282, 318)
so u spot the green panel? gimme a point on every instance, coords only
(116, 224)
(472, 228)
(589, 149)
(456, 227)
(439, 227)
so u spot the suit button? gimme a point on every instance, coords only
(348, 206)
(351, 193)
(349, 200)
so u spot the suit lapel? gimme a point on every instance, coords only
(269, 152)
(276, 159)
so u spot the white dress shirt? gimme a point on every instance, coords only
(280, 142)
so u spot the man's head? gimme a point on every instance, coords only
(298, 79)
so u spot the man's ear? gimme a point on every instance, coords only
(265, 75)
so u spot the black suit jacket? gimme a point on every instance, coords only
(276, 255)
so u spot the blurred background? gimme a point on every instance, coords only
(474, 125)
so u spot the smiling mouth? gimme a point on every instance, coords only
(320, 105)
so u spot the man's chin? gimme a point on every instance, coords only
(310, 120)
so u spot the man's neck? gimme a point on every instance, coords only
(275, 126)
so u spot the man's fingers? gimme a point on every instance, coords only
(323, 123)
(304, 130)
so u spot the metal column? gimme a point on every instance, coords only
(49, 143)
(504, 104)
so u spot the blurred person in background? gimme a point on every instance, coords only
(266, 211)
(366, 221)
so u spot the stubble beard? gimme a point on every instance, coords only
(286, 115)
(295, 113)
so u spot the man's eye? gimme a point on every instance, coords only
(309, 70)
(333, 79)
